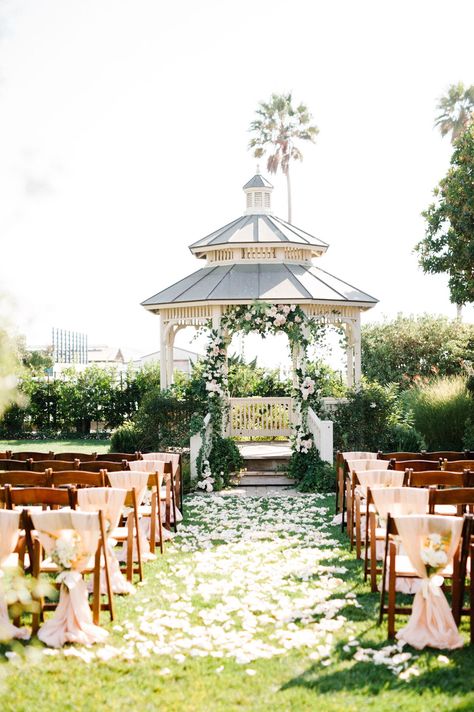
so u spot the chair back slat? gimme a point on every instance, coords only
(415, 465)
(118, 456)
(435, 477)
(45, 496)
(15, 464)
(99, 465)
(33, 455)
(461, 497)
(78, 478)
(453, 465)
(71, 456)
(54, 465)
(25, 478)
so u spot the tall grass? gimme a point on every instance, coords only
(440, 410)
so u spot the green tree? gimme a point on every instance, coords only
(456, 109)
(448, 245)
(10, 369)
(278, 129)
(409, 350)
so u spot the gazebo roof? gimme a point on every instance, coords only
(241, 283)
(260, 228)
(258, 181)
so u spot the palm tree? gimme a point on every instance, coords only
(456, 110)
(277, 128)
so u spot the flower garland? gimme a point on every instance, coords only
(260, 318)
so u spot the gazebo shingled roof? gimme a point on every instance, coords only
(259, 256)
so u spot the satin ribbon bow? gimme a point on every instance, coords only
(69, 578)
(432, 585)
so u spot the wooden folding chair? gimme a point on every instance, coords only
(395, 566)
(47, 566)
(25, 478)
(98, 465)
(33, 455)
(342, 470)
(78, 478)
(71, 456)
(44, 497)
(457, 501)
(53, 465)
(439, 478)
(128, 533)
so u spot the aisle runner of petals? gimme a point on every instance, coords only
(258, 577)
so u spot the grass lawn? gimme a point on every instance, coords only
(98, 446)
(257, 605)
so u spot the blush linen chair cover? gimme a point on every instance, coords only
(72, 619)
(397, 501)
(431, 621)
(151, 466)
(379, 478)
(362, 465)
(133, 479)
(110, 500)
(9, 523)
(360, 456)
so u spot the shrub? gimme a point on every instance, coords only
(125, 439)
(409, 350)
(440, 411)
(224, 460)
(311, 473)
(163, 421)
(370, 419)
(468, 440)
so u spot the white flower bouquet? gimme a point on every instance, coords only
(434, 552)
(67, 551)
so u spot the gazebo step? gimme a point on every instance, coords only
(265, 456)
(264, 479)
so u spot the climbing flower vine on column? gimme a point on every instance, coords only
(261, 318)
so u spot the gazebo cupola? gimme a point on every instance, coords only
(258, 193)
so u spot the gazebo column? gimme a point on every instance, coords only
(349, 356)
(163, 355)
(169, 354)
(357, 351)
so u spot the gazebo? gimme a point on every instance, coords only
(259, 257)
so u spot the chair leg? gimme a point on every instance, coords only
(152, 541)
(108, 582)
(96, 588)
(358, 527)
(173, 505)
(129, 569)
(391, 592)
(373, 554)
(35, 566)
(160, 524)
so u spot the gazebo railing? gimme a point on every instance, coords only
(264, 417)
(322, 432)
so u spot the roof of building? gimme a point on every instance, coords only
(251, 229)
(283, 282)
(178, 355)
(257, 181)
(104, 354)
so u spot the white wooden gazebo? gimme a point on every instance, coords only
(258, 256)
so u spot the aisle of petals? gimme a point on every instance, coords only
(246, 578)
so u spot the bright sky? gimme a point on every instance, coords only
(123, 135)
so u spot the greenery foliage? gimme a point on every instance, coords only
(72, 402)
(374, 418)
(224, 460)
(440, 411)
(310, 473)
(448, 245)
(408, 350)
